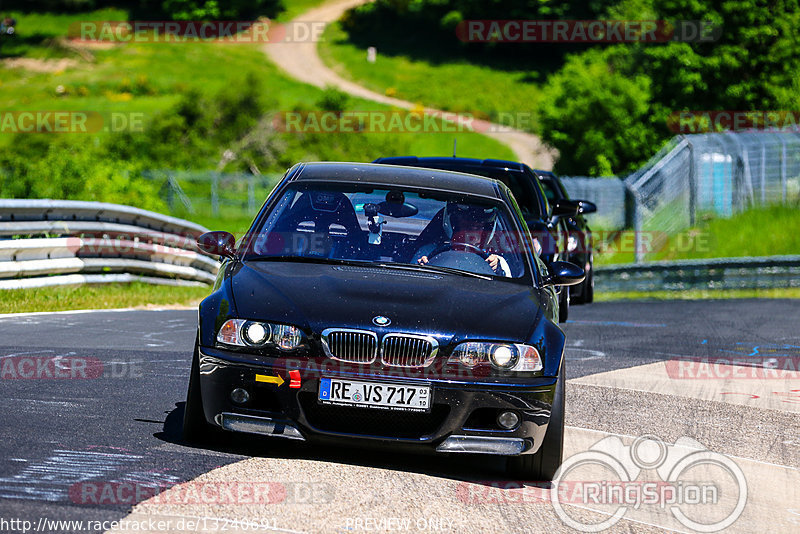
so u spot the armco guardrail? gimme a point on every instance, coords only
(717, 273)
(66, 242)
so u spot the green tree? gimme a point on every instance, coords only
(597, 118)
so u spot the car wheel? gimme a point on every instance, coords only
(542, 465)
(563, 305)
(577, 293)
(195, 427)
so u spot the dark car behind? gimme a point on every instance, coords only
(543, 217)
(579, 243)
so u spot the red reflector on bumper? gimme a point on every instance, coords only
(294, 379)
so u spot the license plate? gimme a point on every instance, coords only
(385, 396)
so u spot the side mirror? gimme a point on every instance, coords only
(217, 244)
(564, 273)
(585, 207)
(565, 208)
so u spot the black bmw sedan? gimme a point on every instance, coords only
(385, 305)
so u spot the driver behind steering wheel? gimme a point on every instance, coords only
(468, 228)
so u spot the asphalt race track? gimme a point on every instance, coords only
(93, 402)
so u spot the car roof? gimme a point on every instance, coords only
(545, 175)
(392, 175)
(454, 161)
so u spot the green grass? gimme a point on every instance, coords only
(37, 33)
(767, 231)
(699, 294)
(294, 8)
(440, 82)
(98, 297)
(149, 78)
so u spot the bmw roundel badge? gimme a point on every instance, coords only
(380, 320)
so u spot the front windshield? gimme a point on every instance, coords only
(390, 226)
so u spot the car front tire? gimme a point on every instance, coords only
(563, 305)
(588, 291)
(543, 465)
(195, 427)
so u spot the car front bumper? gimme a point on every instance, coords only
(461, 418)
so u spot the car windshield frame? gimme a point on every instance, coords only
(247, 253)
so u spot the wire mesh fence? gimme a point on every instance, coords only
(716, 175)
(212, 193)
(608, 193)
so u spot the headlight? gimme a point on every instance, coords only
(256, 333)
(244, 333)
(572, 243)
(287, 337)
(506, 356)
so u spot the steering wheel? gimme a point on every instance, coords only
(450, 246)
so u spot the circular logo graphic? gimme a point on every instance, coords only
(681, 477)
(357, 396)
(380, 320)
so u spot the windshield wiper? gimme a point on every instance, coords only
(305, 259)
(401, 266)
(434, 268)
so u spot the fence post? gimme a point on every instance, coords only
(692, 186)
(638, 253)
(251, 194)
(783, 168)
(170, 192)
(763, 173)
(214, 194)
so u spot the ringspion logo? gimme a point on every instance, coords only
(701, 490)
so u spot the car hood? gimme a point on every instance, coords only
(320, 296)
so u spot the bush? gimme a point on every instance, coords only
(333, 100)
(599, 120)
(75, 170)
(221, 9)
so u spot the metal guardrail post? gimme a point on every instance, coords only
(637, 230)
